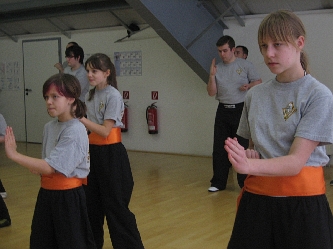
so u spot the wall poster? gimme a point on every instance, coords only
(128, 63)
(9, 76)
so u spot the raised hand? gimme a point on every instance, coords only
(238, 156)
(59, 67)
(253, 154)
(10, 143)
(213, 68)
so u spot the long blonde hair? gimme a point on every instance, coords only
(283, 25)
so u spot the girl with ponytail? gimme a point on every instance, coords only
(288, 121)
(60, 218)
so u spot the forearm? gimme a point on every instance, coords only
(97, 128)
(248, 162)
(211, 86)
(254, 83)
(280, 166)
(33, 164)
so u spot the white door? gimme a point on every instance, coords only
(39, 57)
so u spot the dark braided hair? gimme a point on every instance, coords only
(68, 86)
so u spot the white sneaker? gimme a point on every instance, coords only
(3, 194)
(213, 189)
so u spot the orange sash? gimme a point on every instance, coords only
(112, 138)
(310, 181)
(58, 181)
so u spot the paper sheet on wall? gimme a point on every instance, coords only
(128, 63)
(9, 76)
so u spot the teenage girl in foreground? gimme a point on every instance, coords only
(60, 219)
(288, 121)
(110, 182)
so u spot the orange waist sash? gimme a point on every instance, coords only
(112, 138)
(310, 181)
(58, 181)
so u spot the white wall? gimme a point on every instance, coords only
(186, 112)
(319, 46)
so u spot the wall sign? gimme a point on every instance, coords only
(154, 95)
(125, 94)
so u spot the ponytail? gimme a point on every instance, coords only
(80, 108)
(91, 93)
(305, 62)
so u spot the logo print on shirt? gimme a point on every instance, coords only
(101, 105)
(289, 110)
(239, 71)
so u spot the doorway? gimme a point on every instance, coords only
(39, 57)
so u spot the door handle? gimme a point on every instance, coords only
(27, 90)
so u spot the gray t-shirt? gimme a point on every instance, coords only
(230, 77)
(275, 113)
(106, 104)
(81, 75)
(3, 126)
(66, 147)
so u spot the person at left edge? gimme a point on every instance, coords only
(60, 219)
(4, 214)
(228, 81)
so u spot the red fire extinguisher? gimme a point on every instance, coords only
(124, 119)
(151, 116)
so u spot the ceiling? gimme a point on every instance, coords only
(189, 27)
(27, 17)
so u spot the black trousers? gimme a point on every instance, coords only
(265, 222)
(4, 214)
(226, 125)
(109, 190)
(61, 221)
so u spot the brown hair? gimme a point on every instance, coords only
(68, 86)
(102, 62)
(283, 25)
(226, 39)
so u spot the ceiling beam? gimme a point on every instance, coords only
(210, 26)
(121, 21)
(211, 8)
(131, 33)
(56, 11)
(68, 35)
(8, 35)
(233, 12)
